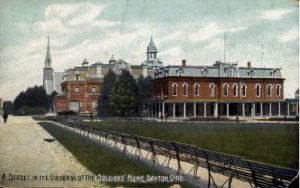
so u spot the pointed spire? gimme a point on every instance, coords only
(151, 46)
(48, 56)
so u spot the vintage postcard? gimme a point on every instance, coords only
(149, 93)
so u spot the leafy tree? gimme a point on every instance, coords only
(124, 94)
(51, 99)
(105, 107)
(144, 92)
(34, 97)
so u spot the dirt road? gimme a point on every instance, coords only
(26, 159)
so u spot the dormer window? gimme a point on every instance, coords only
(205, 71)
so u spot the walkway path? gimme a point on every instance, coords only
(27, 160)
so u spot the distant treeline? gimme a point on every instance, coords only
(33, 101)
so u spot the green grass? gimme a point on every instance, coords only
(101, 160)
(272, 143)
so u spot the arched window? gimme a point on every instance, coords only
(269, 88)
(257, 89)
(243, 90)
(235, 90)
(185, 87)
(174, 89)
(225, 86)
(212, 89)
(278, 88)
(196, 89)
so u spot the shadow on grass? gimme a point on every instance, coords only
(100, 160)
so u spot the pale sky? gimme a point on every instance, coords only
(181, 29)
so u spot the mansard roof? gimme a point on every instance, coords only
(219, 70)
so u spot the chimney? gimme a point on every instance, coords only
(183, 63)
(249, 64)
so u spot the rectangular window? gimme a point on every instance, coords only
(93, 90)
(94, 104)
(76, 90)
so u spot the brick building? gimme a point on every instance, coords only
(223, 89)
(81, 86)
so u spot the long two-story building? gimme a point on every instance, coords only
(223, 89)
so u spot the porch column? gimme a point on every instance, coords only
(204, 109)
(270, 109)
(261, 109)
(253, 109)
(174, 112)
(163, 109)
(243, 109)
(279, 114)
(184, 110)
(195, 109)
(216, 109)
(227, 109)
(159, 110)
(297, 108)
(288, 108)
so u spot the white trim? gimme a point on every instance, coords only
(259, 85)
(187, 89)
(198, 91)
(212, 86)
(271, 87)
(237, 89)
(278, 85)
(243, 84)
(176, 85)
(225, 85)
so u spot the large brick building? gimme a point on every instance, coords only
(223, 89)
(81, 85)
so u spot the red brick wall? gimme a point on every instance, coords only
(85, 95)
(61, 104)
(162, 88)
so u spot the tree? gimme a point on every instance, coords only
(51, 100)
(124, 94)
(33, 101)
(144, 92)
(105, 108)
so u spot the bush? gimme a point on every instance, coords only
(28, 110)
(69, 112)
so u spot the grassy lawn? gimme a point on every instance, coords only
(100, 160)
(271, 143)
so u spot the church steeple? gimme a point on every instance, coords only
(151, 50)
(48, 60)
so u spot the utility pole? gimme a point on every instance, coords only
(224, 47)
(262, 55)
